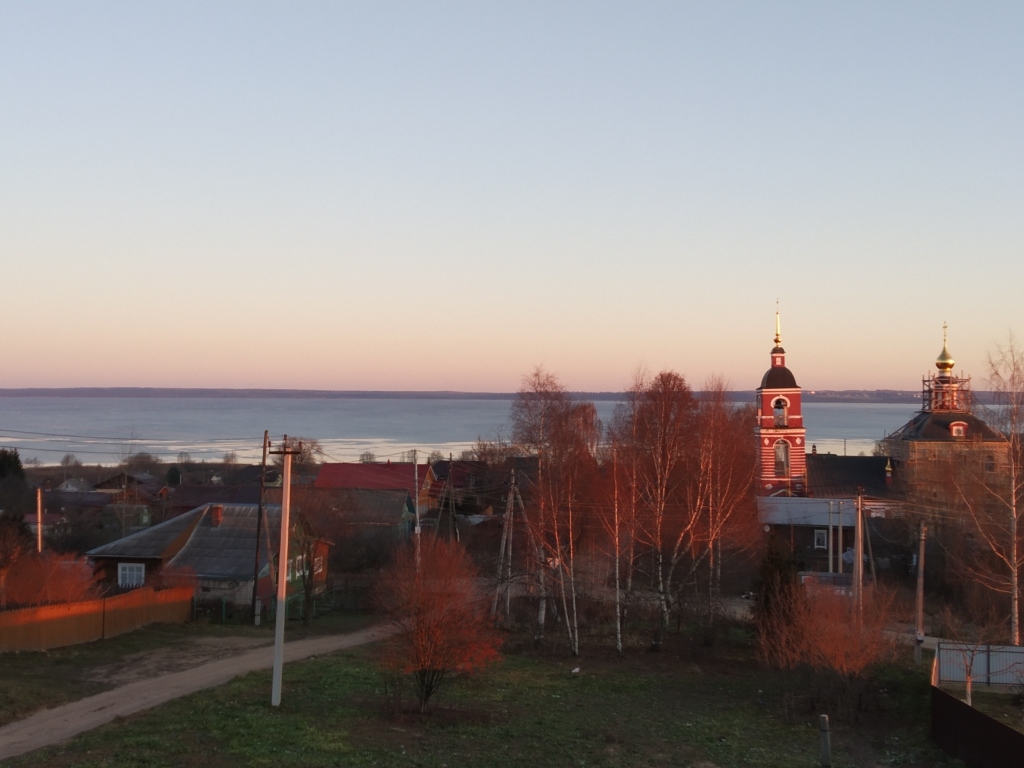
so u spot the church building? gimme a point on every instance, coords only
(782, 466)
(809, 499)
(945, 435)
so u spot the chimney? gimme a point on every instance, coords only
(216, 515)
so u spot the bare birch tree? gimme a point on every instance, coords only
(665, 424)
(535, 411)
(563, 436)
(991, 487)
(722, 481)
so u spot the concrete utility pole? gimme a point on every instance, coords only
(919, 634)
(830, 536)
(286, 450)
(826, 741)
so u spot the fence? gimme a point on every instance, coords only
(840, 583)
(988, 664)
(53, 626)
(974, 737)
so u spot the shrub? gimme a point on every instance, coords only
(439, 616)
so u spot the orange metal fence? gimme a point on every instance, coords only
(53, 626)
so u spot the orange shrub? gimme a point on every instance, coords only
(42, 579)
(439, 616)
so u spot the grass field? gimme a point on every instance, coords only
(35, 680)
(675, 708)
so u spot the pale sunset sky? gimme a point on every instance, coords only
(423, 196)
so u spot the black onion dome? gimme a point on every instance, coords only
(778, 377)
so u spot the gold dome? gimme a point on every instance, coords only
(945, 361)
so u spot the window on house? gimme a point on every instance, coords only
(782, 459)
(131, 574)
(820, 539)
(990, 463)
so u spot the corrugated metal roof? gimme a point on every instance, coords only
(396, 476)
(192, 496)
(832, 476)
(152, 542)
(224, 551)
(227, 550)
(330, 507)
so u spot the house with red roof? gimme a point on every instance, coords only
(397, 476)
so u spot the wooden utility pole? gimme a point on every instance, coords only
(451, 494)
(259, 526)
(830, 536)
(871, 553)
(506, 544)
(39, 519)
(617, 542)
(286, 451)
(839, 547)
(919, 633)
(858, 557)
(416, 505)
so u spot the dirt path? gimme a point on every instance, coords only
(52, 726)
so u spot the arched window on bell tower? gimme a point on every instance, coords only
(781, 410)
(781, 459)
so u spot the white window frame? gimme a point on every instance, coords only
(131, 574)
(820, 538)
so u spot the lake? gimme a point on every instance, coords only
(103, 430)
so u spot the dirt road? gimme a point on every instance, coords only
(52, 726)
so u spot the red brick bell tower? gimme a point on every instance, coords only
(782, 470)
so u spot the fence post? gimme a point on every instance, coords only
(826, 742)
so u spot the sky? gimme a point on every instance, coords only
(442, 196)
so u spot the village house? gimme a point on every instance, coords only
(215, 547)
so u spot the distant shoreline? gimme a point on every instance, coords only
(815, 396)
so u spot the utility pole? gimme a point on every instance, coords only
(506, 543)
(826, 741)
(919, 635)
(39, 519)
(259, 527)
(839, 533)
(286, 451)
(830, 536)
(871, 553)
(451, 494)
(416, 505)
(858, 556)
